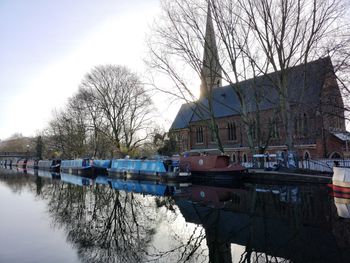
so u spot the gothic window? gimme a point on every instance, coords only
(245, 158)
(305, 125)
(299, 125)
(234, 158)
(199, 134)
(274, 128)
(231, 131)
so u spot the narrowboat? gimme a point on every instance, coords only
(50, 165)
(22, 163)
(100, 167)
(78, 166)
(216, 167)
(164, 170)
(32, 164)
(142, 187)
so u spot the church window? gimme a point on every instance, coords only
(234, 158)
(274, 128)
(231, 131)
(199, 134)
(305, 125)
(245, 158)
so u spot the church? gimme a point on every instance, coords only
(318, 111)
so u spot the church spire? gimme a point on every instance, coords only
(211, 70)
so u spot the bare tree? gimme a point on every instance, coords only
(124, 108)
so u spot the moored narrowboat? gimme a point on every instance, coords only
(213, 167)
(22, 163)
(164, 170)
(78, 166)
(50, 165)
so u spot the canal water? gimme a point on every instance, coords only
(64, 218)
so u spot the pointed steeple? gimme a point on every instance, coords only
(211, 70)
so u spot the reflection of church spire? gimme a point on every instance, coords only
(211, 71)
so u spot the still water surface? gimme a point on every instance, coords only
(67, 218)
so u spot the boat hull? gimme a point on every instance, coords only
(83, 171)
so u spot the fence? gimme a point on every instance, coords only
(322, 165)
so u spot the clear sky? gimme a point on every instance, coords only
(48, 46)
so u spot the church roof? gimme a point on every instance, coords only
(226, 102)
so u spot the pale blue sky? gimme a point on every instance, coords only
(47, 46)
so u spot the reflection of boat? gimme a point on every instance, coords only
(50, 165)
(266, 226)
(32, 164)
(100, 179)
(209, 195)
(32, 171)
(22, 163)
(76, 180)
(144, 187)
(79, 166)
(343, 206)
(341, 189)
(48, 174)
(167, 170)
(211, 167)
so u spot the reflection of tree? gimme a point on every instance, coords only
(105, 225)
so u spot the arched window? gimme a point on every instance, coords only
(274, 128)
(199, 134)
(245, 158)
(305, 125)
(234, 158)
(335, 155)
(231, 131)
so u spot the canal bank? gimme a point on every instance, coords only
(287, 176)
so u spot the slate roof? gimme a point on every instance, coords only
(226, 103)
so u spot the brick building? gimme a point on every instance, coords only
(317, 106)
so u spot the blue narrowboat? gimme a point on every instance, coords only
(142, 187)
(100, 167)
(78, 166)
(50, 165)
(164, 170)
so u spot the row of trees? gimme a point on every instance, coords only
(253, 38)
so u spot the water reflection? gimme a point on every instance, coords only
(131, 221)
